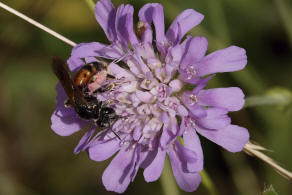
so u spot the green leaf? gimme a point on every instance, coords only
(208, 183)
(270, 191)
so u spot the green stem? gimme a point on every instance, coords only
(285, 15)
(265, 101)
(274, 96)
(207, 183)
(168, 183)
(90, 4)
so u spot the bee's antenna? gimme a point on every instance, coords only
(121, 58)
(119, 117)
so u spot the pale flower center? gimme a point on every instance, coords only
(148, 99)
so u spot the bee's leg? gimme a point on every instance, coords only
(111, 124)
(86, 91)
(117, 118)
(105, 88)
(109, 76)
(87, 94)
(117, 135)
(109, 127)
(107, 102)
(110, 87)
(89, 97)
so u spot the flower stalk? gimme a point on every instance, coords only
(285, 14)
(90, 4)
(207, 182)
(37, 24)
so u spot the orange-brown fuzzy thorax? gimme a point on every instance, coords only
(85, 74)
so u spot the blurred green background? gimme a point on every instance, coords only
(34, 160)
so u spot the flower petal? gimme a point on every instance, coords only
(184, 22)
(173, 126)
(153, 12)
(120, 73)
(229, 59)
(137, 133)
(75, 63)
(146, 97)
(154, 170)
(190, 102)
(182, 111)
(201, 84)
(60, 99)
(103, 151)
(65, 121)
(174, 56)
(216, 119)
(158, 20)
(176, 85)
(149, 155)
(66, 125)
(166, 137)
(124, 25)
(164, 117)
(116, 176)
(105, 15)
(84, 141)
(233, 138)
(95, 49)
(231, 98)
(186, 43)
(138, 161)
(196, 50)
(197, 111)
(190, 161)
(189, 182)
(129, 87)
(192, 142)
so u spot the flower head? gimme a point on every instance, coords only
(149, 94)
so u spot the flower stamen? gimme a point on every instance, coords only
(193, 99)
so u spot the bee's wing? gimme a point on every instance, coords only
(62, 72)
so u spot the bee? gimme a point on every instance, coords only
(86, 106)
(91, 76)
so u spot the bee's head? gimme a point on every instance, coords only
(107, 117)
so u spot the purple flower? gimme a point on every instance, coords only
(150, 96)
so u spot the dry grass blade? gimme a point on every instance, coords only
(255, 150)
(35, 23)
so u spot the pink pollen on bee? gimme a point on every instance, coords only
(96, 81)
